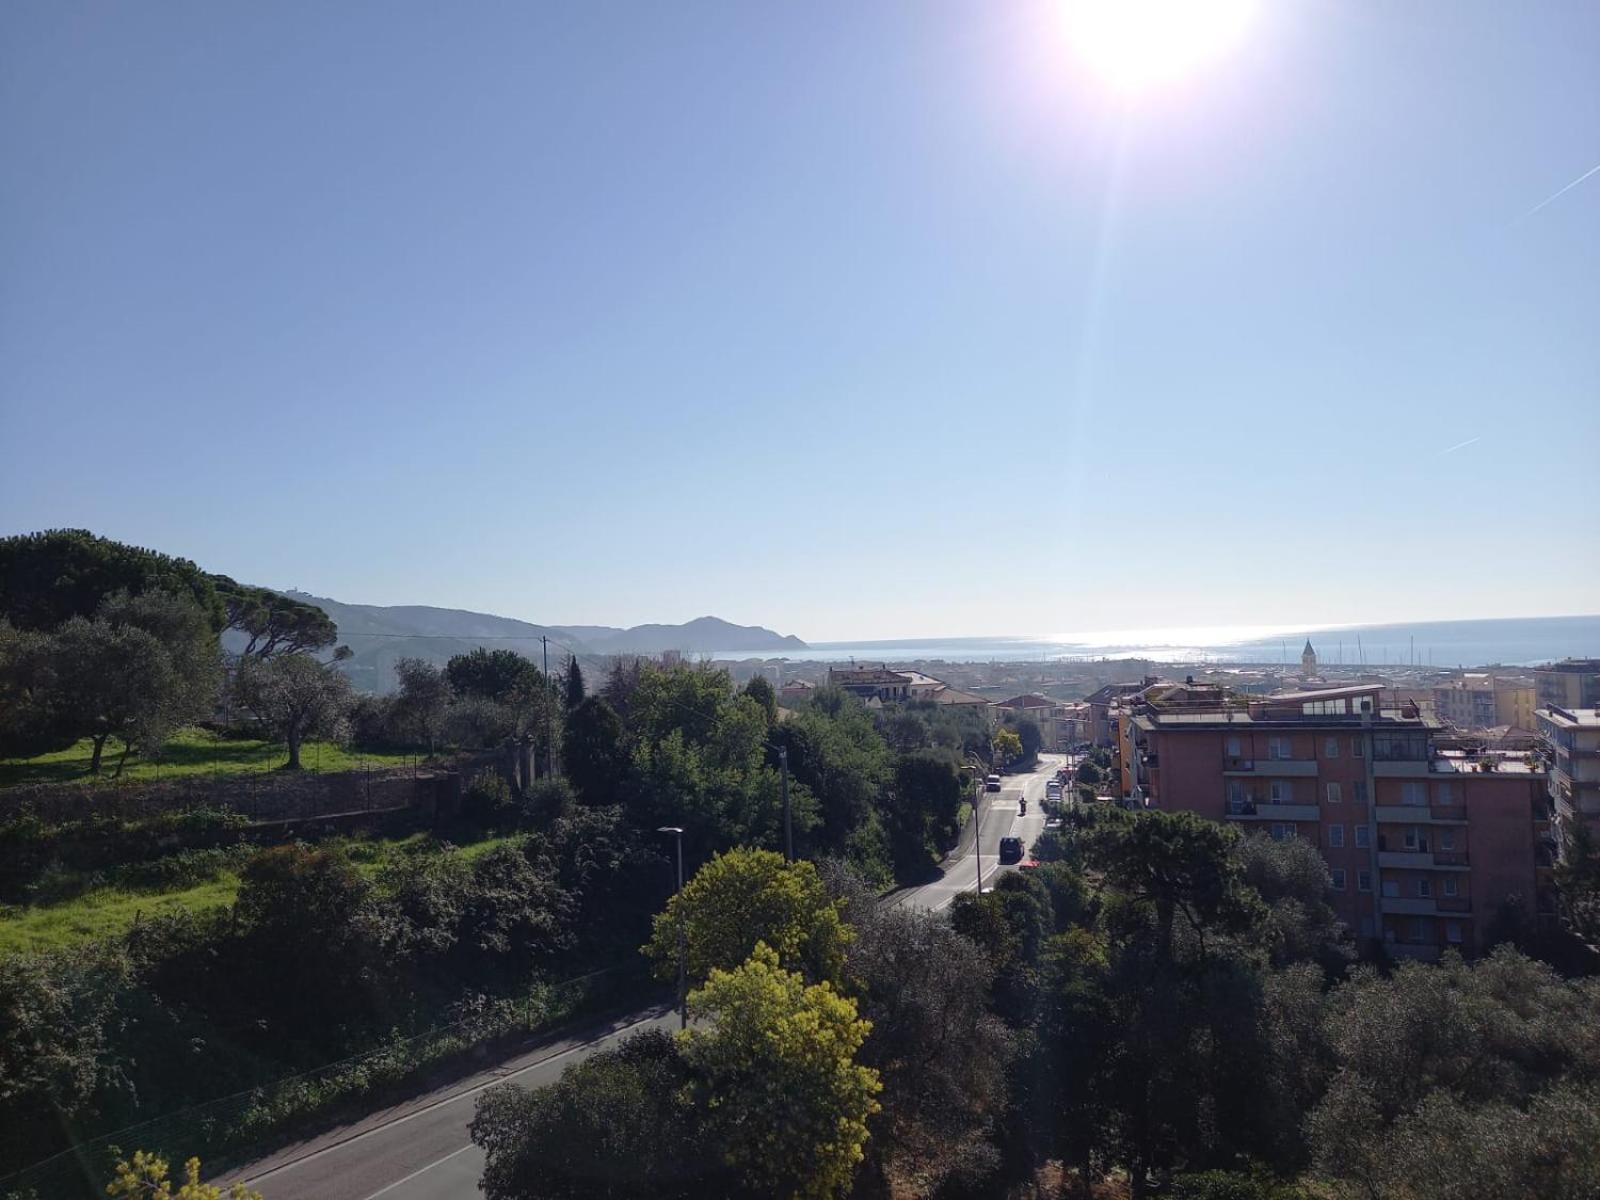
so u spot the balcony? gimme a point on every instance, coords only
(1403, 768)
(1421, 814)
(1408, 906)
(1444, 860)
(1421, 951)
(1250, 810)
(1302, 767)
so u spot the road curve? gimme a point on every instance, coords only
(420, 1149)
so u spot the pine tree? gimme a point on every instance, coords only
(575, 689)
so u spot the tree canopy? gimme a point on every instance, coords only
(776, 1065)
(745, 897)
(273, 623)
(47, 578)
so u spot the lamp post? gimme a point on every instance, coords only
(788, 826)
(977, 845)
(683, 947)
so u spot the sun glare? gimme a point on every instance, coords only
(1136, 45)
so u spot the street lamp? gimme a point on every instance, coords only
(683, 947)
(977, 842)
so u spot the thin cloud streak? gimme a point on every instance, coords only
(1461, 445)
(1557, 195)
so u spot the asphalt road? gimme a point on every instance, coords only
(420, 1150)
(998, 817)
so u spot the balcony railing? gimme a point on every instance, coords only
(1422, 860)
(1234, 764)
(1261, 810)
(1419, 814)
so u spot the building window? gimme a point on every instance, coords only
(1447, 838)
(1330, 747)
(1452, 932)
(1391, 889)
(1445, 793)
(1358, 748)
(1338, 879)
(1363, 881)
(1281, 791)
(1424, 889)
(1452, 886)
(1233, 747)
(1414, 793)
(1358, 791)
(1282, 832)
(1278, 747)
(1363, 836)
(1333, 793)
(1336, 837)
(1420, 931)
(1413, 839)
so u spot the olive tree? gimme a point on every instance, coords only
(295, 697)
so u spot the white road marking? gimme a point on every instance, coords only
(420, 1171)
(443, 1100)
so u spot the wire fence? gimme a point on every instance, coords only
(231, 1129)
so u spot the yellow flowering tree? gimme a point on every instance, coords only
(146, 1178)
(748, 896)
(786, 1102)
(1006, 744)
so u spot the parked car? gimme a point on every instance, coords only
(1010, 849)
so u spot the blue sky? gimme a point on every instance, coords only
(856, 320)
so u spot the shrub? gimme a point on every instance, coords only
(488, 803)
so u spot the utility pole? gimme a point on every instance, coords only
(683, 945)
(788, 826)
(549, 720)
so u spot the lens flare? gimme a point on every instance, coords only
(1137, 45)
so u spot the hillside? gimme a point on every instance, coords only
(379, 635)
(703, 635)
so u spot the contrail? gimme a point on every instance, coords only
(1557, 195)
(1469, 441)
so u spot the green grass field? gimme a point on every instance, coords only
(190, 752)
(103, 912)
(106, 911)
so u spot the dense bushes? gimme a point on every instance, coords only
(316, 960)
(40, 860)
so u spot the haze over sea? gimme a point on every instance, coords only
(1508, 642)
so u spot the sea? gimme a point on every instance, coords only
(1517, 641)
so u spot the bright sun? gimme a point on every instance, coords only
(1136, 45)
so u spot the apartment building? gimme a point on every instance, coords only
(1059, 721)
(1423, 845)
(1466, 703)
(1102, 726)
(1481, 701)
(872, 683)
(1573, 737)
(1571, 683)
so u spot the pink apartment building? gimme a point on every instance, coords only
(1423, 845)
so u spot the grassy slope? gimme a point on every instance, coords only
(112, 910)
(191, 752)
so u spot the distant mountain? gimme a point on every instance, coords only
(379, 636)
(588, 633)
(703, 635)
